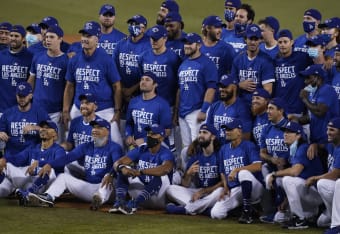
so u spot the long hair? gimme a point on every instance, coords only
(195, 148)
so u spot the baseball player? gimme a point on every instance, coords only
(110, 36)
(253, 69)
(240, 169)
(18, 124)
(47, 76)
(311, 20)
(93, 70)
(147, 181)
(145, 110)
(331, 27)
(5, 28)
(33, 34)
(200, 187)
(165, 8)
(197, 83)
(303, 202)
(335, 72)
(328, 183)
(221, 53)
(99, 156)
(15, 64)
(21, 170)
(174, 26)
(270, 27)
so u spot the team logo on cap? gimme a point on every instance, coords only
(154, 30)
(254, 29)
(88, 26)
(108, 7)
(190, 34)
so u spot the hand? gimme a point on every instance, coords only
(130, 141)
(270, 181)
(129, 172)
(312, 151)
(232, 175)
(278, 162)
(65, 116)
(45, 170)
(107, 181)
(310, 181)
(116, 118)
(225, 192)
(194, 168)
(2, 164)
(4, 136)
(304, 94)
(248, 85)
(175, 121)
(201, 117)
(197, 195)
(29, 127)
(31, 169)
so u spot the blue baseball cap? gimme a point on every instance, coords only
(226, 80)
(151, 75)
(155, 129)
(278, 102)
(334, 123)
(92, 28)
(234, 123)
(157, 32)
(5, 26)
(48, 22)
(321, 39)
(19, 29)
(101, 123)
(213, 20)
(49, 123)
(209, 128)
(315, 69)
(173, 17)
(107, 8)
(253, 30)
(260, 92)
(56, 29)
(331, 23)
(232, 3)
(192, 38)
(171, 5)
(285, 33)
(272, 22)
(88, 96)
(292, 127)
(23, 89)
(139, 19)
(34, 28)
(313, 13)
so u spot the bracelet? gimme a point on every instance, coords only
(205, 107)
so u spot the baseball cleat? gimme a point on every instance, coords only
(22, 196)
(45, 199)
(296, 223)
(128, 209)
(246, 217)
(115, 207)
(36, 200)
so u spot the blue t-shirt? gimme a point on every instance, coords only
(208, 172)
(300, 43)
(14, 69)
(50, 81)
(333, 157)
(195, 77)
(177, 45)
(39, 47)
(108, 41)
(94, 74)
(236, 42)
(260, 122)
(272, 52)
(335, 78)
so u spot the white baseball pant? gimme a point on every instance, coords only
(326, 192)
(189, 127)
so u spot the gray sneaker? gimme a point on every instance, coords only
(43, 200)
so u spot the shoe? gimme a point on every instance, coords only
(116, 205)
(267, 218)
(96, 202)
(22, 196)
(281, 217)
(246, 217)
(171, 208)
(334, 230)
(129, 209)
(44, 200)
(296, 223)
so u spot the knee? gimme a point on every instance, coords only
(245, 175)
(217, 213)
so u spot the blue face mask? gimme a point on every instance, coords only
(308, 26)
(134, 30)
(240, 29)
(229, 15)
(31, 39)
(311, 89)
(313, 52)
(293, 148)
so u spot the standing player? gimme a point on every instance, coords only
(335, 73)
(47, 76)
(240, 169)
(197, 83)
(165, 8)
(5, 29)
(18, 124)
(15, 64)
(93, 70)
(99, 156)
(252, 68)
(202, 171)
(145, 110)
(33, 34)
(270, 27)
(148, 180)
(110, 36)
(174, 26)
(331, 27)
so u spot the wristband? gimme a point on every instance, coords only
(205, 107)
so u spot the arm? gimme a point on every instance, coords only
(31, 80)
(331, 175)
(254, 167)
(208, 98)
(175, 113)
(205, 191)
(268, 87)
(193, 169)
(67, 146)
(161, 170)
(67, 101)
(319, 109)
(117, 90)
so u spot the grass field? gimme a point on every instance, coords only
(15, 219)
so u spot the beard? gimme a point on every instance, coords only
(258, 109)
(226, 97)
(203, 143)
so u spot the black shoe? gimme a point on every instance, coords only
(246, 217)
(296, 223)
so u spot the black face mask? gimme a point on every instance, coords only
(151, 142)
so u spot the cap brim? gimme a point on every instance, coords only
(83, 31)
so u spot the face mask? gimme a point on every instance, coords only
(31, 39)
(151, 142)
(308, 26)
(99, 142)
(134, 30)
(240, 29)
(310, 88)
(313, 52)
(293, 148)
(229, 15)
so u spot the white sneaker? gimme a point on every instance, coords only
(281, 216)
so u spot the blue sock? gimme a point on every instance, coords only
(149, 189)
(122, 185)
(173, 209)
(38, 184)
(246, 187)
